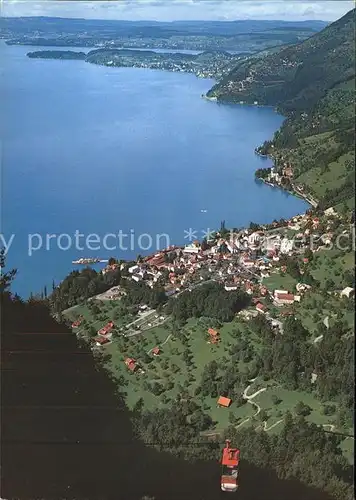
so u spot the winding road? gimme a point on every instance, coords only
(249, 399)
(265, 428)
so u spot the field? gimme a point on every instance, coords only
(330, 264)
(330, 179)
(278, 282)
(168, 374)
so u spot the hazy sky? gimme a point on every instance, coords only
(169, 10)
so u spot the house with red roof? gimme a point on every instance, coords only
(214, 336)
(156, 351)
(131, 364)
(101, 341)
(261, 308)
(288, 171)
(283, 298)
(224, 402)
(106, 330)
(263, 290)
(77, 323)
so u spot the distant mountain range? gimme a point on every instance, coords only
(193, 35)
(313, 83)
(24, 25)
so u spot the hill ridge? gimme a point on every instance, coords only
(313, 84)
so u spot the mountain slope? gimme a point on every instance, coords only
(66, 432)
(313, 83)
(297, 76)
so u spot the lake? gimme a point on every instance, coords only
(90, 151)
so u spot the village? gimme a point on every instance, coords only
(258, 261)
(283, 176)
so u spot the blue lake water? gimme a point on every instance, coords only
(93, 149)
(31, 48)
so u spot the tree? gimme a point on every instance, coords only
(254, 226)
(349, 278)
(302, 409)
(308, 254)
(239, 401)
(5, 278)
(91, 331)
(329, 409)
(187, 357)
(138, 407)
(341, 418)
(293, 268)
(329, 284)
(157, 389)
(263, 415)
(204, 244)
(169, 385)
(275, 399)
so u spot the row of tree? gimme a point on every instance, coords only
(211, 300)
(291, 359)
(78, 286)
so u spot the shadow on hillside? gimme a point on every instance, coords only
(51, 449)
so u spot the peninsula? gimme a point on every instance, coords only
(208, 64)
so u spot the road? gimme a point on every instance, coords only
(250, 398)
(318, 339)
(265, 428)
(144, 316)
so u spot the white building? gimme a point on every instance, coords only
(191, 248)
(255, 239)
(286, 245)
(231, 246)
(330, 211)
(348, 292)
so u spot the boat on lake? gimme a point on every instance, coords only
(89, 260)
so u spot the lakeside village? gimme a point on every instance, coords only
(282, 176)
(237, 260)
(205, 65)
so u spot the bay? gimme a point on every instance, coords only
(96, 150)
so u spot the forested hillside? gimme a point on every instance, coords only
(66, 432)
(313, 83)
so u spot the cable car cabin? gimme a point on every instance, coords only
(230, 468)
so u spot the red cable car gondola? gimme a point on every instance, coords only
(230, 468)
